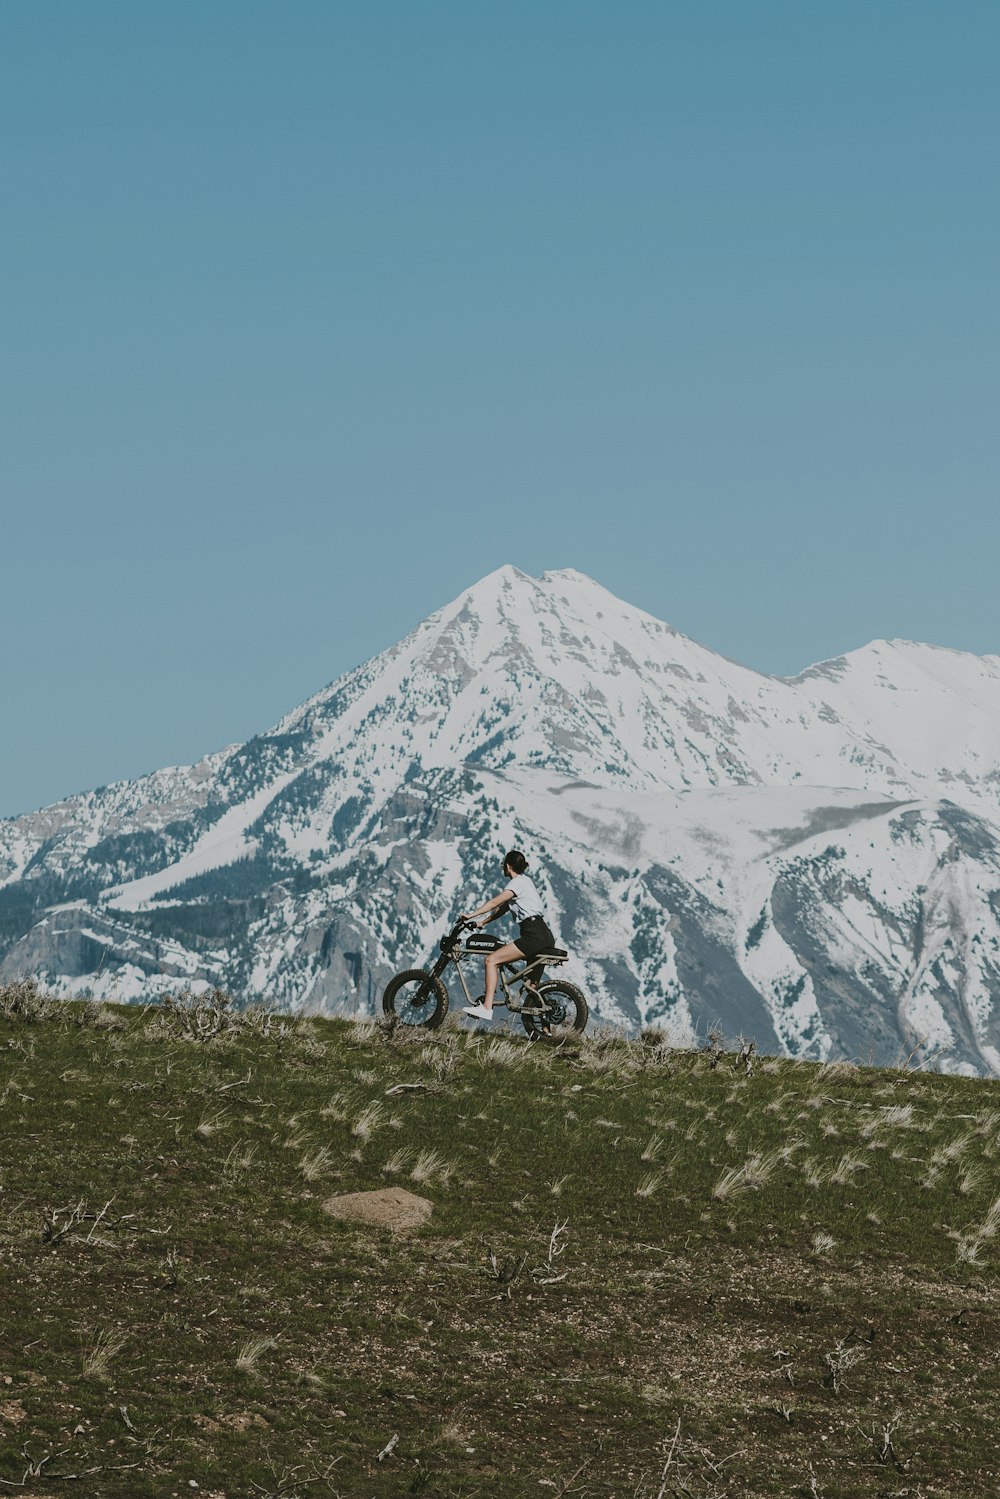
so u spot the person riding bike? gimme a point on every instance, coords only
(521, 898)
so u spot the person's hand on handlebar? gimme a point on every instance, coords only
(490, 909)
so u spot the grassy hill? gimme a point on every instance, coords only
(648, 1272)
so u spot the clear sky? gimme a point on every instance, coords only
(315, 312)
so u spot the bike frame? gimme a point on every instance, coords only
(521, 977)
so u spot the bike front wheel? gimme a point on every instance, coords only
(565, 1012)
(416, 997)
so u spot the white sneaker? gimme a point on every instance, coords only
(480, 1011)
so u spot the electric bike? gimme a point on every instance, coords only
(550, 1008)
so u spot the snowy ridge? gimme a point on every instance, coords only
(813, 860)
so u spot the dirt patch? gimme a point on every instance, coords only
(390, 1207)
(236, 1420)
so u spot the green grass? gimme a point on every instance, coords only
(647, 1272)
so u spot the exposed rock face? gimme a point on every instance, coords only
(814, 861)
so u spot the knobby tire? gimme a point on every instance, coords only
(427, 988)
(572, 1002)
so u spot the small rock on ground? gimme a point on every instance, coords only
(389, 1207)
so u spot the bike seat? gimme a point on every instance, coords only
(557, 952)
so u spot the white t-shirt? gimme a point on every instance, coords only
(527, 901)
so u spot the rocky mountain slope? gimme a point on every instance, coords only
(813, 861)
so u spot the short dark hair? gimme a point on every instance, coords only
(516, 861)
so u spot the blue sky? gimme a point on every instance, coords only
(314, 313)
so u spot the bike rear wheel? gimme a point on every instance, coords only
(566, 1012)
(416, 997)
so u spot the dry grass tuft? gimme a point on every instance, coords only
(971, 1242)
(896, 1116)
(813, 1172)
(501, 1053)
(846, 1170)
(337, 1109)
(841, 1068)
(441, 1061)
(251, 1352)
(97, 1363)
(755, 1172)
(972, 1178)
(431, 1166)
(240, 1159)
(316, 1163)
(368, 1121)
(101, 1017)
(945, 1155)
(607, 1057)
(455, 1430)
(365, 1030)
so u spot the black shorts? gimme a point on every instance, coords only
(534, 937)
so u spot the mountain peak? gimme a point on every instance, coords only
(499, 580)
(587, 599)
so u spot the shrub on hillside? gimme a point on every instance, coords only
(23, 1000)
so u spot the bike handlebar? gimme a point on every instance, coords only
(458, 929)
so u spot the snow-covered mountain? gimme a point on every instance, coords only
(814, 861)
